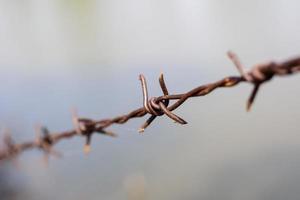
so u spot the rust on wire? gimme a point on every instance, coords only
(154, 106)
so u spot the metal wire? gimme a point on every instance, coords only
(155, 107)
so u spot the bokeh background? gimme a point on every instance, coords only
(59, 54)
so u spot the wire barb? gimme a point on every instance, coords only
(86, 127)
(155, 106)
(45, 142)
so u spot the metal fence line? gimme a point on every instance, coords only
(155, 107)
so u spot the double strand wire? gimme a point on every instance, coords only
(155, 107)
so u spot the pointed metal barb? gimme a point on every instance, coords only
(147, 123)
(87, 146)
(83, 127)
(155, 107)
(45, 142)
(252, 96)
(106, 132)
(8, 141)
(76, 121)
(171, 115)
(87, 127)
(255, 76)
(236, 61)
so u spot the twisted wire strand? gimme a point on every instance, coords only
(154, 106)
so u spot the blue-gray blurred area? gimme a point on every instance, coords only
(59, 54)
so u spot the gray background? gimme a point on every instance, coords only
(59, 54)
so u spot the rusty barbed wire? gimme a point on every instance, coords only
(154, 106)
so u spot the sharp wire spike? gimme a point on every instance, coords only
(172, 115)
(147, 123)
(38, 133)
(108, 133)
(236, 61)
(75, 121)
(252, 96)
(87, 146)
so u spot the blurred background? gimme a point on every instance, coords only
(59, 54)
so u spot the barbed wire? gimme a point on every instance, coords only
(155, 107)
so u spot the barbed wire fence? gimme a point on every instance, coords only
(155, 107)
